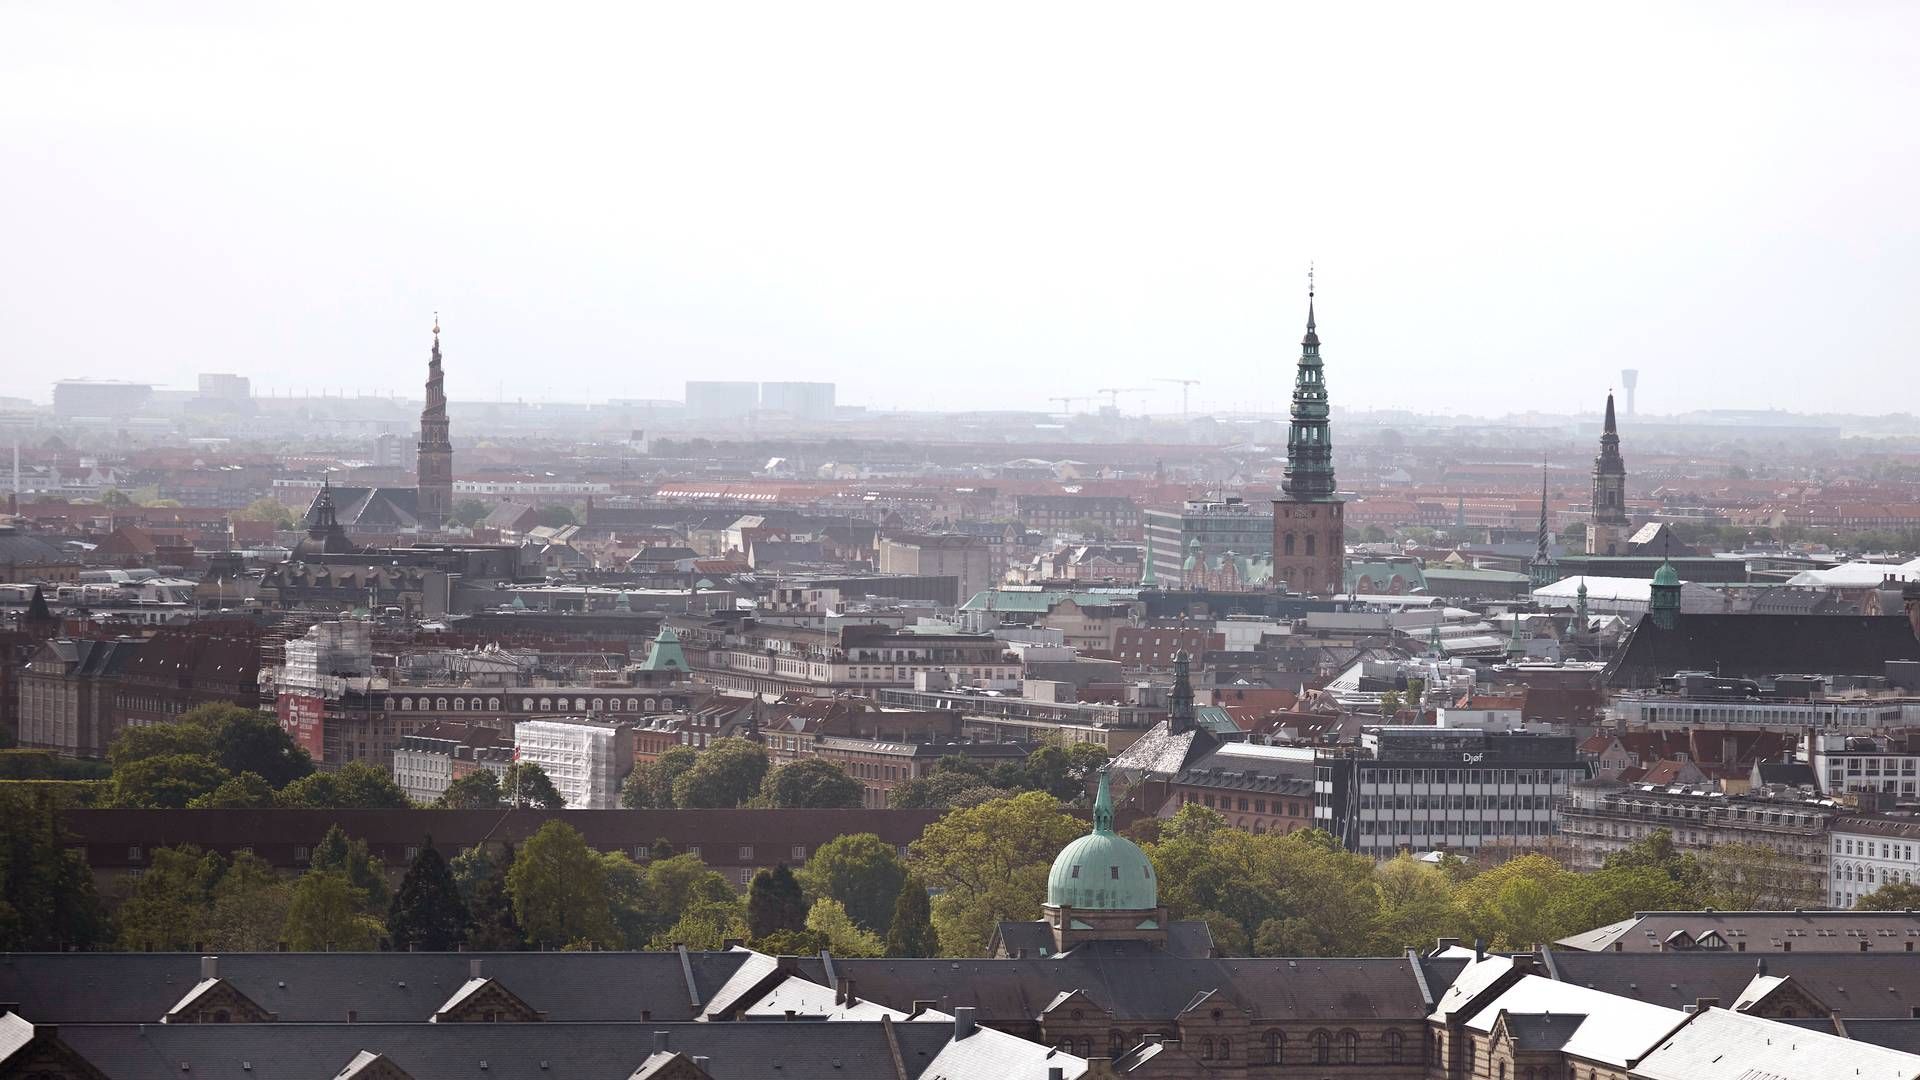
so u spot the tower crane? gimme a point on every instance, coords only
(1113, 393)
(1066, 403)
(1185, 386)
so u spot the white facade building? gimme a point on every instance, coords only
(586, 759)
(1864, 853)
(1677, 712)
(1874, 763)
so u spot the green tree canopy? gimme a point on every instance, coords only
(727, 773)
(911, 932)
(709, 924)
(478, 790)
(481, 878)
(1893, 896)
(269, 509)
(355, 785)
(650, 786)
(166, 910)
(990, 863)
(527, 784)
(166, 782)
(559, 890)
(861, 871)
(554, 515)
(249, 904)
(327, 914)
(47, 898)
(427, 913)
(811, 782)
(469, 512)
(337, 852)
(247, 791)
(245, 741)
(775, 902)
(828, 918)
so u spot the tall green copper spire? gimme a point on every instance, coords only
(1149, 579)
(1540, 571)
(1103, 804)
(1309, 473)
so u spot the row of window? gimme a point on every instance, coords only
(1865, 847)
(1456, 802)
(492, 704)
(1467, 776)
(1424, 827)
(1244, 805)
(1319, 1048)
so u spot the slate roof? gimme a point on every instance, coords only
(1761, 646)
(1723, 1045)
(1901, 1034)
(837, 1051)
(1144, 988)
(1810, 931)
(1614, 1029)
(1187, 938)
(130, 988)
(1873, 984)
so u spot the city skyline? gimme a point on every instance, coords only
(622, 201)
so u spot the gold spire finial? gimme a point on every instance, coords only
(436, 324)
(1309, 280)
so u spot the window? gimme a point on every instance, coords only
(799, 853)
(746, 875)
(1349, 1048)
(1276, 1046)
(1322, 1048)
(1395, 1046)
(693, 850)
(746, 851)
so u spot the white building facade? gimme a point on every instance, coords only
(586, 759)
(1865, 853)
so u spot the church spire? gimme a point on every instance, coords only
(1103, 803)
(1309, 471)
(1541, 568)
(1180, 698)
(433, 470)
(1149, 579)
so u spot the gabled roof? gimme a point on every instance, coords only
(1720, 1044)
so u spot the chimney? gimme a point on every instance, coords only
(1479, 948)
(919, 1006)
(1701, 1005)
(660, 1041)
(962, 1022)
(852, 998)
(473, 969)
(1056, 1073)
(700, 1062)
(209, 968)
(1445, 943)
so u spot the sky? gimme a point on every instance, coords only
(971, 205)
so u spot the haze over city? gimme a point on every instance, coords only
(1506, 204)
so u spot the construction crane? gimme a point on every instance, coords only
(1185, 386)
(1066, 403)
(1113, 393)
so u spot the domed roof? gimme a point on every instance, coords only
(1666, 575)
(1103, 871)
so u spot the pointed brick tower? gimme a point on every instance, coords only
(434, 470)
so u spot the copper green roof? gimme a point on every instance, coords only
(1103, 871)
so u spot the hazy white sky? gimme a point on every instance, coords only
(970, 204)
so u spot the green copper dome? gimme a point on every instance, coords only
(1666, 575)
(1103, 871)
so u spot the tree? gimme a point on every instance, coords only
(775, 902)
(1514, 905)
(245, 741)
(47, 897)
(427, 911)
(115, 497)
(1390, 704)
(1416, 904)
(945, 791)
(327, 914)
(709, 924)
(478, 790)
(169, 781)
(1893, 896)
(269, 509)
(554, 515)
(167, 909)
(811, 782)
(559, 890)
(728, 773)
(860, 870)
(482, 881)
(828, 918)
(336, 852)
(249, 907)
(469, 512)
(355, 785)
(527, 784)
(651, 785)
(630, 901)
(247, 791)
(990, 863)
(143, 741)
(911, 933)
(1756, 877)
(1064, 771)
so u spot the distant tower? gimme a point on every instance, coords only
(1309, 531)
(434, 471)
(1629, 378)
(1541, 571)
(1180, 698)
(1606, 532)
(1664, 598)
(1148, 578)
